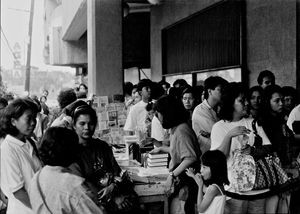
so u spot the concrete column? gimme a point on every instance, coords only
(104, 34)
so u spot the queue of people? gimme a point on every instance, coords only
(52, 163)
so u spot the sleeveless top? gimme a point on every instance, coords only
(217, 205)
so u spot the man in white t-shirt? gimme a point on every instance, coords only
(136, 117)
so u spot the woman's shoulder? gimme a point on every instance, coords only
(215, 189)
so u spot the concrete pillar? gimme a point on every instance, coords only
(104, 34)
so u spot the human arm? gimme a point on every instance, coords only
(226, 141)
(162, 149)
(177, 171)
(203, 202)
(23, 196)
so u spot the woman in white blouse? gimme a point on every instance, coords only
(224, 137)
(19, 160)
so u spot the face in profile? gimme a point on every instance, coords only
(240, 105)
(266, 82)
(25, 124)
(276, 103)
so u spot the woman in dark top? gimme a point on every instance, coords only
(98, 165)
(274, 124)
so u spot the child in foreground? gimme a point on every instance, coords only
(211, 181)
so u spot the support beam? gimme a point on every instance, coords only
(104, 33)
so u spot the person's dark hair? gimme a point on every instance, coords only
(176, 92)
(163, 82)
(217, 162)
(69, 109)
(14, 111)
(212, 82)
(85, 110)
(263, 74)
(65, 97)
(82, 84)
(144, 83)
(128, 86)
(42, 98)
(156, 91)
(172, 110)
(267, 96)
(59, 147)
(231, 92)
(37, 102)
(81, 95)
(290, 91)
(3, 102)
(198, 90)
(180, 82)
(8, 97)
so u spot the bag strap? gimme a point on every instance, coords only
(216, 185)
(254, 127)
(40, 190)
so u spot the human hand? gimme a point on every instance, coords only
(239, 130)
(123, 203)
(199, 180)
(169, 188)
(106, 192)
(155, 150)
(190, 172)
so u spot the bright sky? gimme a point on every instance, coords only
(14, 23)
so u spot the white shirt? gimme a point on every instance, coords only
(136, 117)
(221, 128)
(203, 119)
(294, 116)
(157, 131)
(56, 190)
(18, 165)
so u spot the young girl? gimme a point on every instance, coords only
(211, 180)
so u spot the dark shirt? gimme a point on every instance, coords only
(96, 160)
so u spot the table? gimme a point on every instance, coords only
(148, 184)
(149, 193)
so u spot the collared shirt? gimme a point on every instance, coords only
(136, 117)
(69, 195)
(18, 165)
(203, 119)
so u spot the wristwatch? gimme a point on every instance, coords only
(172, 175)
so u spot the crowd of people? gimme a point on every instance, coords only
(52, 163)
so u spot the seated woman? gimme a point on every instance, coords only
(184, 151)
(99, 167)
(55, 188)
(225, 137)
(19, 158)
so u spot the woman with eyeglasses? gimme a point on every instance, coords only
(98, 165)
(19, 158)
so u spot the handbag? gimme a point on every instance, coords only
(243, 172)
(269, 172)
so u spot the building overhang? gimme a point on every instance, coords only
(78, 24)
